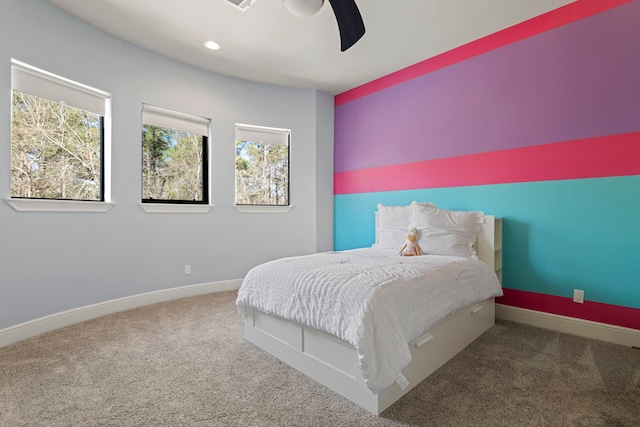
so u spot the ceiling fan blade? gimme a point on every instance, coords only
(349, 20)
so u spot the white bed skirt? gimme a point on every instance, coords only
(334, 363)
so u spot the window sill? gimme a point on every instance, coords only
(177, 208)
(43, 205)
(262, 209)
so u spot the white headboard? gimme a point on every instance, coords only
(489, 244)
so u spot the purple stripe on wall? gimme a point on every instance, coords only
(545, 22)
(577, 81)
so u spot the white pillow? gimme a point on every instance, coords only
(446, 232)
(392, 225)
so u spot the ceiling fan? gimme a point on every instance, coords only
(350, 24)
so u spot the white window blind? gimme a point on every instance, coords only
(160, 117)
(262, 134)
(31, 80)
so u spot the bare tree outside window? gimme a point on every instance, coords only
(173, 166)
(56, 150)
(262, 173)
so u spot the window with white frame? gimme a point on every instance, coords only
(57, 137)
(262, 166)
(174, 157)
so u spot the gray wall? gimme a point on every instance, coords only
(51, 262)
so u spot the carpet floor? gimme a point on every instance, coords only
(185, 363)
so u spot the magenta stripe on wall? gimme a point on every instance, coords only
(594, 311)
(555, 18)
(615, 155)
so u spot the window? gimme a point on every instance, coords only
(57, 137)
(174, 157)
(262, 166)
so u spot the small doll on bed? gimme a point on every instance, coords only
(411, 248)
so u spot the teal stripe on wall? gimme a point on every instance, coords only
(557, 235)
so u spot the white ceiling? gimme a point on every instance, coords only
(268, 44)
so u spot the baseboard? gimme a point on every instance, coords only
(584, 328)
(570, 325)
(35, 327)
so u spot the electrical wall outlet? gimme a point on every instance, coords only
(578, 296)
(187, 269)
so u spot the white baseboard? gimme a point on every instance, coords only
(35, 327)
(584, 328)
(570, 325)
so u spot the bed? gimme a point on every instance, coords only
(368, 323)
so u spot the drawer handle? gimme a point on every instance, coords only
(476, 309)
(422, 341)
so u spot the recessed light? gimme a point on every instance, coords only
(210, 44)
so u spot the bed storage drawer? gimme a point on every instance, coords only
(332, 362)
(431, 350)
(472, 322)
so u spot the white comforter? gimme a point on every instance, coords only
(372, 298)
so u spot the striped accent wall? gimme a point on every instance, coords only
(538, 124)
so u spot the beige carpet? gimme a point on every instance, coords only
(184, 363)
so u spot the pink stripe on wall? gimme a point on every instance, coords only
(594, 311)
(615, 155)
(547, 21)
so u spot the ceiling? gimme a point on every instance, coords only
(268, 44)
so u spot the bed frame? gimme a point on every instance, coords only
(334, 363)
